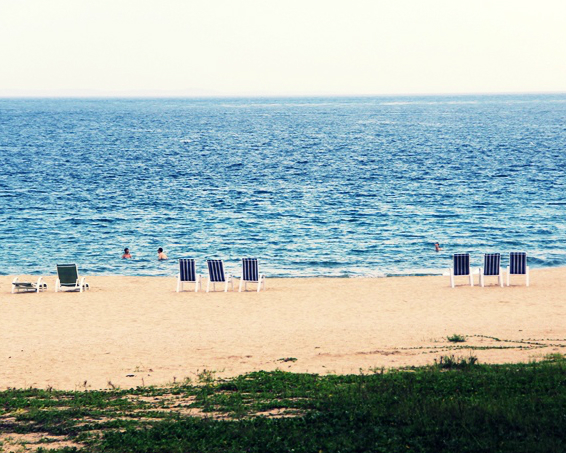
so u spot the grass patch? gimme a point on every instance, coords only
(451, 362)
(455, 338)
(456, 405)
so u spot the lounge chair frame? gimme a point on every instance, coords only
(68, 279)
(518, 266)
(216, 274)
(188, 274)
(491, 267)
(250, 274)
(35, 287)
(461, 267)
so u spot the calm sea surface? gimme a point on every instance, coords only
(313, 187)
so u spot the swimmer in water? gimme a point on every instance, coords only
(161, 254)
(126, 254)
(437, 247)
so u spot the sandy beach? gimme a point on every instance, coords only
(130, 331)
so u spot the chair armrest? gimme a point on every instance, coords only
(15, 279)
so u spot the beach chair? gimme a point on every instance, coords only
(36, 287)
(68, 279)
(518, 265)
(188, 274)
(250, 274)
(216, 274)
(461, 268)
(491, 267)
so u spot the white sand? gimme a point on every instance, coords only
(140, 326)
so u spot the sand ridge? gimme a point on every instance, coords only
(130, 331)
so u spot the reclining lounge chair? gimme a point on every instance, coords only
(461, 268)
(188, 274)
(28, 286)
(216, 274)
(68, 278)
(250, 274)
(518, 265)
(491, 267)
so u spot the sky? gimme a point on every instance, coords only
(280, 48)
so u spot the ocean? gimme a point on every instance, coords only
(340, 187)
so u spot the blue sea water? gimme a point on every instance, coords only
(313, 186)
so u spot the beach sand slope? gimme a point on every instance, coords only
(130, 331)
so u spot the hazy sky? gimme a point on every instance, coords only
(291, 47)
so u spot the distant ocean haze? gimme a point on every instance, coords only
(341, 187)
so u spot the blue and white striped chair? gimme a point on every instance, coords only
(461, 267)
(250, 274)
(491, 267)
(216, 274)
(518, 265)
(188, 274)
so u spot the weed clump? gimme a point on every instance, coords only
(451, 362)
(456, 338)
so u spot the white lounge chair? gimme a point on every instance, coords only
(68, 279)
(216, 274)
(461, 268)
(36, 287)
(250, 274)
(518, 266)
(188, 274)
(491, 267)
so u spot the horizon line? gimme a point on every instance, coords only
(169, 95)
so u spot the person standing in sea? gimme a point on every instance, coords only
(161, 255)
(126, 254)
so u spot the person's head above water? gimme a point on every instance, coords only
(126, 250)
(159, 250)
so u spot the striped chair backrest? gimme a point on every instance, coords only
(518, 263)
(216, 271)
(461, 264)
(250, 271)
(188, 270)
(491, 263)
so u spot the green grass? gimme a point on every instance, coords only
(464, 407)
(456, 338)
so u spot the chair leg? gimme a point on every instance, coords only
(241, 283)
(481, 278)
(451, 278)
(527, 272)
(208, 285)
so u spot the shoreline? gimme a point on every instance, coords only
(379, 275)
(131, 331)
